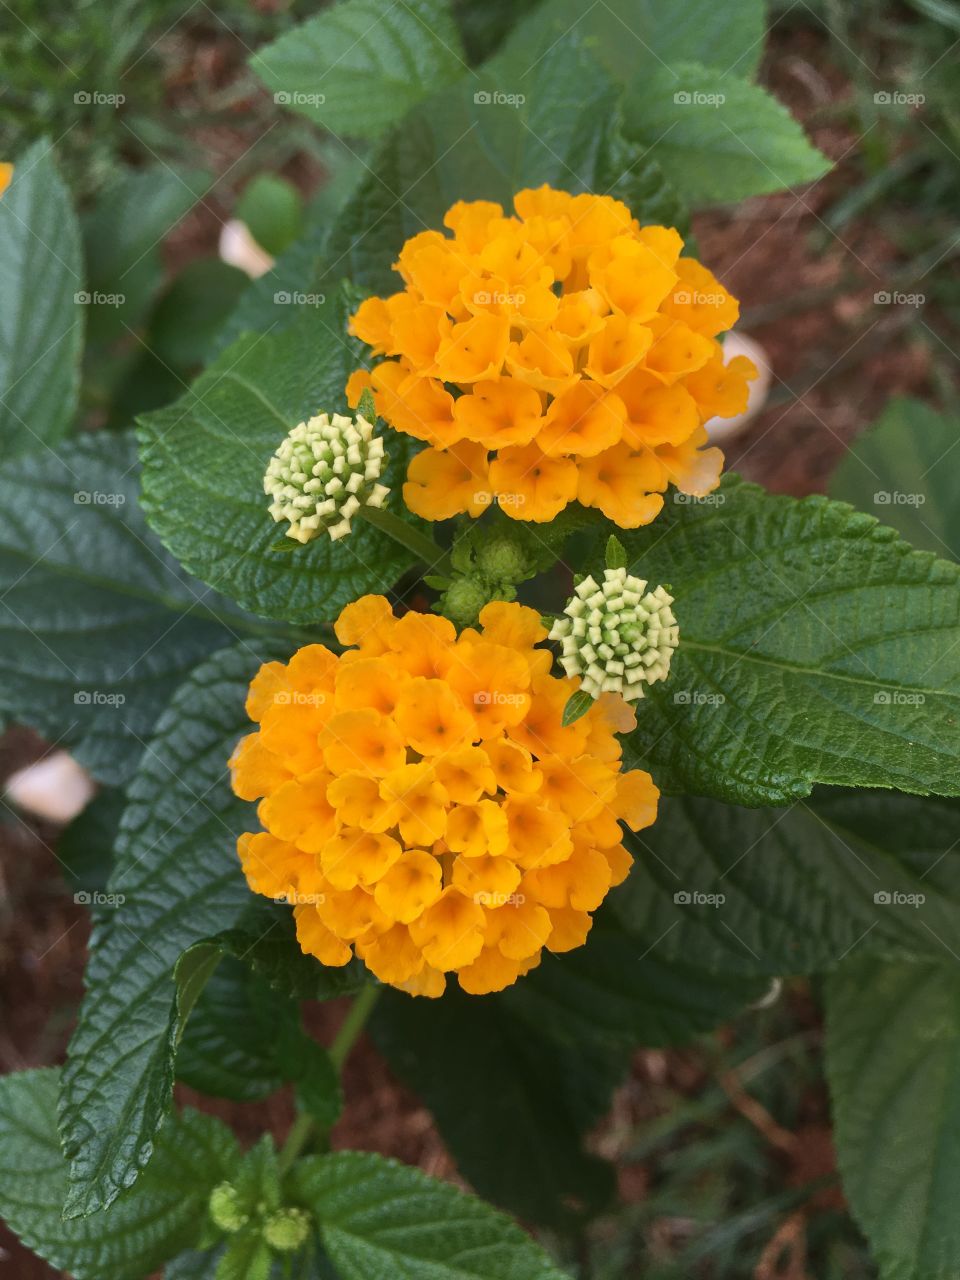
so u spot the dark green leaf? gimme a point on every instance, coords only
(272, 208)
(519, 1142)
(893, 1063)
(147, 1224)
(41, 321)
(85, 849)
(177, 869)
(379, 1218)
(904, 471)
(203, 464)
(98, 623)
(815, 646)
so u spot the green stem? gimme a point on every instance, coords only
(353, 1024)
(304, 1126)
(409, 536)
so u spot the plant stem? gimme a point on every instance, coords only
(422, 546)
(304, 1126)
(353, 1024)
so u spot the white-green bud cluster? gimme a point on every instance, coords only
(323, 473)
(617, 637)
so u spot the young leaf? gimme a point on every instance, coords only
(716, 137)
(358, 67)
(41, 321)
(204, 460)
(177, 869)
(98, 624)
(616, 556)
(246, 1257)
(893, 1063)
(815, 646)
(577, 706)
(902, 470)
(378, 1217)
(532, 1098)
(148, 1223)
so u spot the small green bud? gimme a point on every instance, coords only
(463, 600)
(287, 1229)
(503, 561)
(226, 1210)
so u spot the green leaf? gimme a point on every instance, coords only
(616, 994)
(149, 1223)
(632, 37)
(519, 1142)
(815, 646)
(379, 1218)
(192, 311)
(122, 235)
(718, 139)
(244, 1040)
(556, 121)
(358, 67)
(98, 624)
(792, 891)
(41, 321)
(578, 704)
(904, 471)
(893, 1063)
(177, 869)
(616, 555)
(85, 849)
(205, 456)
(246, 1257)
(272, 208)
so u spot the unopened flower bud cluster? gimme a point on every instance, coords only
(323, 473)
(617, 636)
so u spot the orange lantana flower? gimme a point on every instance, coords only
(425, 807)
(566, 352)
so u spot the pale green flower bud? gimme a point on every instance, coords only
(287, 1229)
(617, 636)
(226, 1211)
(323, 473)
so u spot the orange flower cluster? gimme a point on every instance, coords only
(424, 805)
(565, 354)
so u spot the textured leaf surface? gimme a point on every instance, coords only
(718, 138)
(41, 327)
(634, 36)
(98, 624)
(151, 1222)
(781, 891)
(905, 471)
(519, 1138)
(616, 992)
(560, 126)
(815, 646)
(360, 65)
(177, 868)
(893, 1063)
(203, 464)
(382, 1221)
